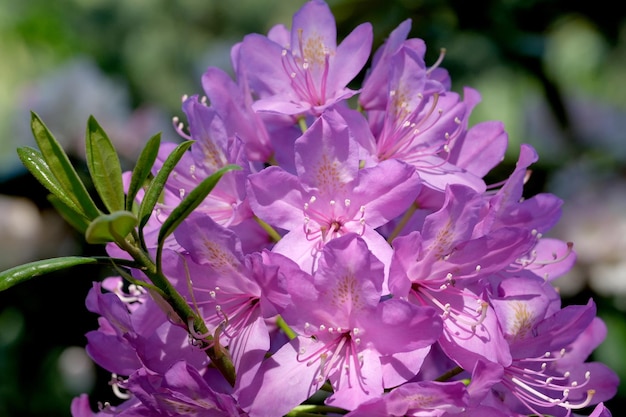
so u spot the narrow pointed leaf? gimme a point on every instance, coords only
(104, 166)
(158, 183)
(110, 227)
(77, 220)
(61, 167)
(193, 200)
(25, 272)
(37, 166)
(142, 169)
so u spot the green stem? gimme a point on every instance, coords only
(403, 221)
(306, 410)
(302, 124)
(450, 374)
(280, 322)
(269, 229)
(128, 277)
(180, 306)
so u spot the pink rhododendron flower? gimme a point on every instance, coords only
(357, 264)
(303, 70)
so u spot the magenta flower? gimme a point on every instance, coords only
(235, 294)
(263, 134)
(417, 399)
(508, 207)
(358, 264)
(212, 151)
(135, 333)
(132, 407)
(181, 390)
(331, 196)
(303, 71)
(440, 266)
(600, 411)
(549, 346)
(347, 335)
(416, 119)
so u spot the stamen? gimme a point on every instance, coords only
(115, 386)
(442, 54)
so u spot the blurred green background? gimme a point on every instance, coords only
(552, 70)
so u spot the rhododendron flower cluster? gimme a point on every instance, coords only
(358, 263)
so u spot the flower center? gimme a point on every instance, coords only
(324, 222)
(338, 351)
(463, 315)
(232, 312)
(307, 68)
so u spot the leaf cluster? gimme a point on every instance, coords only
(120, 220)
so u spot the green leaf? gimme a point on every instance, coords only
(61, 168)
(158, 183)
(104, 166)
(142, 169)
(34, 162)
(25, 272)
(110, 227)
(189, 204)
(191, 201)
(77, 220)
